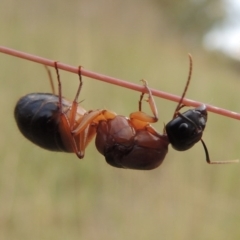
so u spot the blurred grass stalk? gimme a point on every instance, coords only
(119, 82)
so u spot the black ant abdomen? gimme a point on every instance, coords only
(37, 116)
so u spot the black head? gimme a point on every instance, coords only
(187, 128)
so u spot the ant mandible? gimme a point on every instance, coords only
(56, 124)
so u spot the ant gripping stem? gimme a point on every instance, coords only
(59, 87)
(74, 103)
(81, 83)
(190, 120)
(56, 124)
(150, 101)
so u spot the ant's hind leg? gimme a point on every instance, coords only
(59, 88)
(50, 79)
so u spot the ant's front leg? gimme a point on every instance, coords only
(141, 119)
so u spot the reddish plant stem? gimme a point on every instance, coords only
(117, 82)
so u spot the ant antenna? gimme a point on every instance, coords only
(180, 105)
(215, 162)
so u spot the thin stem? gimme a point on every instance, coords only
(118, 82)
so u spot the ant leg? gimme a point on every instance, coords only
(50, 79)
(141, 116)
(74, 107)
(140, 101)
(80, 83)
(85, 135)
(78, 130)
(67, 119)
(151, 101)
(65, 124)
(59, 88)
(86, 129)
(93, 117)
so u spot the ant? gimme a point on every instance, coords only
(56, 124)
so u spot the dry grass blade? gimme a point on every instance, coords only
(118, 82)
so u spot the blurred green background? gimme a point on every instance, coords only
(47, 195)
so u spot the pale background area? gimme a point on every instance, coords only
(47, 195)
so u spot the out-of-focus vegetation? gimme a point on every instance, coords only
(192, 19)
(46, 195)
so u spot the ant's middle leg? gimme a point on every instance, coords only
(73, 112)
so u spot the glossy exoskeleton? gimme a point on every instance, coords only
(54, 123)
(133, 143)
(187, 129)
(38, 118)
